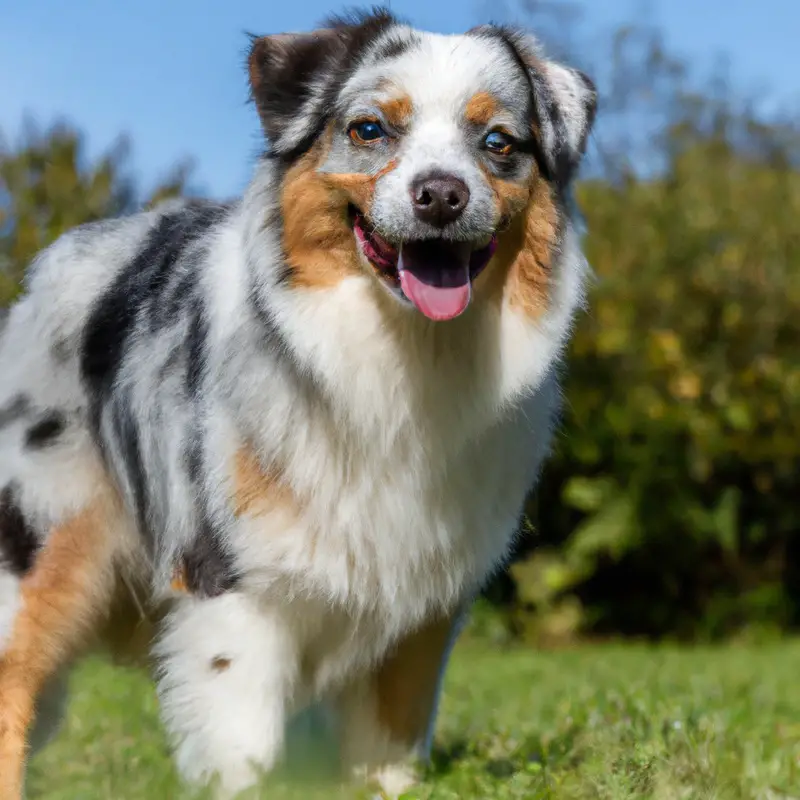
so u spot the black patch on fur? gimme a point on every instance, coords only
(196, 348)
(114, 314)
(125, 429)
(394, 47)
(46, 430)
(288, 71)
(180, 289)
(140, 284)
(135, 300)
(285, 273)
(209, 566)
(16, 408)
(18, 541)
(194, 457)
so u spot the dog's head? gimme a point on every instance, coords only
(420, 158)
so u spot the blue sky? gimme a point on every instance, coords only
(170, 73)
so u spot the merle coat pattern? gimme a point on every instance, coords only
(290, 437)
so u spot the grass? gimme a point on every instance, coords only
(613, 721)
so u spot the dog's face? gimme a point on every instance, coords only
(419, 156)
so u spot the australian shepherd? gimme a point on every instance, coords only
(278, 445)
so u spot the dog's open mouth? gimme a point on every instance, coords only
(434, 274)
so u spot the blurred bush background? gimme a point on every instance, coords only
(670, 507)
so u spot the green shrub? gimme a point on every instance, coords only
(48, 185)
(672, 504)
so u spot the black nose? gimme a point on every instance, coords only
(439, 199)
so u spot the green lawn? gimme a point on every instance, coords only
(594, 722)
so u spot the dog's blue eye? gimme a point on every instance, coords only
(499, 143)
(366, 132)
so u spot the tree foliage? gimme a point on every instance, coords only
(49, 185)
(671, 507)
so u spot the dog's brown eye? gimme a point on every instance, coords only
(499, 143)
(366, 132)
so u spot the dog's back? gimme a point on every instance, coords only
(61, 347)
(49, 464)
(66, 533)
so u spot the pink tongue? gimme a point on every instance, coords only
(435, 302)
(440, 293)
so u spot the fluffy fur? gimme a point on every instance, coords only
(229, 438)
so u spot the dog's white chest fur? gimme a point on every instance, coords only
(382, 544)
(403, 485)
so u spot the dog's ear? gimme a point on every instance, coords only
(289, 75)
(564, 102)
(570, 102)
(294, 77)
(576, 98)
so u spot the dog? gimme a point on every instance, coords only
(276, 447)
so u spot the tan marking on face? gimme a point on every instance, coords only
(397, 110)
(317, 239)
(63, 598)
(256, 490)
(358, 187)
(481, 109)
(406, 682)
(510, 197)
(520, 268)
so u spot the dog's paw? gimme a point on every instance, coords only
(392, 781)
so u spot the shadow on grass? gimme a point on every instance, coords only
(550, 752)
(446, 758)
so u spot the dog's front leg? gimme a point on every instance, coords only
(227, 669)
(388, 714)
